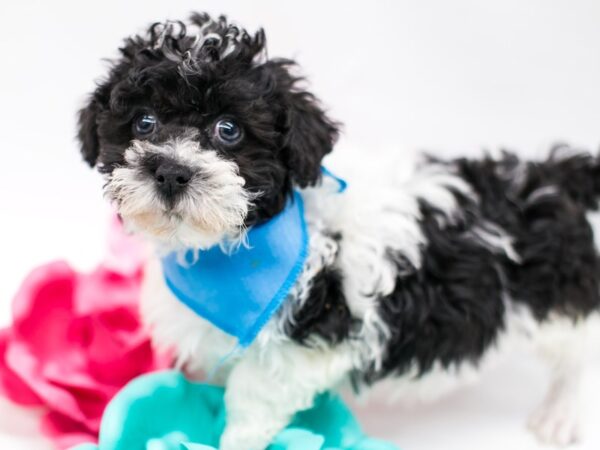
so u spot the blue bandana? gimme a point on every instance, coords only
(239, 292)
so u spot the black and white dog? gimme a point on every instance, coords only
(201, 137)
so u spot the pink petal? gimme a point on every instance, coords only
(162, 360)
(122, 321)
(104, 290)
(43, 307)
(92, 404)
(116, 349)
(136, 361)
(11, 385)
(126, 254)
(23, 362)
(66, 433)
(70, 379)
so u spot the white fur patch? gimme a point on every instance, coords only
(557, 421)
(374, 221)
(212, 209)
(593, 217)
(210, 33)
(268, 387)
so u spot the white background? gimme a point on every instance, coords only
(454, 77)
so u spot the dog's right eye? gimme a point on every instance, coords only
(144, 125)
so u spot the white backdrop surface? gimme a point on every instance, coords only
(453, 77)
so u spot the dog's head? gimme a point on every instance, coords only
(199, 134)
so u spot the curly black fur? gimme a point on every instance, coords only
(449, 310)
(545, 211)
(452, 308)
(324, 313)
(191, 79)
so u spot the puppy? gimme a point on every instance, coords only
(201, 137)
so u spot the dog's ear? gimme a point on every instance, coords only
(88, 131)
(308, 134)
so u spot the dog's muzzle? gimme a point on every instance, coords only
(180, 193)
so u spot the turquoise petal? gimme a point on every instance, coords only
(171, 441)
(196, 447)
(160, 405)
(164, 411)
(330, 418)
(297, 439)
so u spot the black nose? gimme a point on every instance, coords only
(172, 178)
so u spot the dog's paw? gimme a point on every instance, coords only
(556, 423)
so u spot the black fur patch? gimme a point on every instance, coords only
(545, 211)
(325, 313)
(452, 308)
(449, 310)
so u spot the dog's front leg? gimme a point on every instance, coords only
(270, 385)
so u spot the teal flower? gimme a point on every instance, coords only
(164, 411)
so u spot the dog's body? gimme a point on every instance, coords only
(415, 281)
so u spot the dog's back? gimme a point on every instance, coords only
(521, 240)
(516, 247)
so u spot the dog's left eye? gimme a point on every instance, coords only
(228, 131)
(145, 125)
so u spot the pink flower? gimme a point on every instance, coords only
(76, 340)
